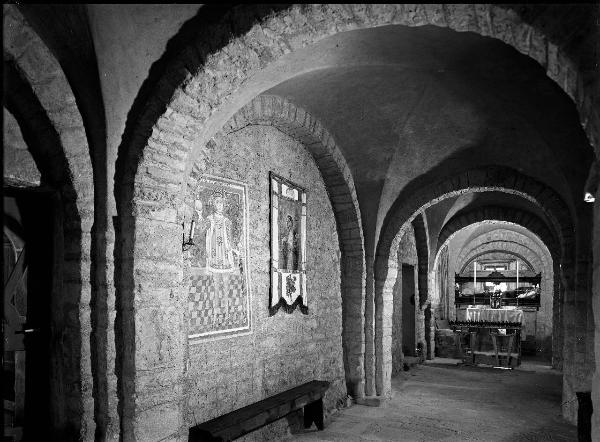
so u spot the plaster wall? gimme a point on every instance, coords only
(128, 39)
(283, 350)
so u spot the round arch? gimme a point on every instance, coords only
(499, 250)
(300, 125)
(504, 214)
(500, 236)
(42, 101)
(419, 195)
(248, 38)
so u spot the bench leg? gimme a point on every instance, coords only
(313, 412)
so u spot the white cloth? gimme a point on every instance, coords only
(494, 315)
(219, 250)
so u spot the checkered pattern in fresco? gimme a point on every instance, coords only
(217, 304)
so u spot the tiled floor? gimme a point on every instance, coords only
(455, 403)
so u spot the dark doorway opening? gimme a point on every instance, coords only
(408, 310)
(32, 248)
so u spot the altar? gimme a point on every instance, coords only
(479, 314)
(490, 336)
(490, 311)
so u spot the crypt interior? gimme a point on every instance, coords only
(208, 207)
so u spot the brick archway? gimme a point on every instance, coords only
(298, 124)
(418, 197)
(500, 249)
(41, 99)
(247, 38)
(509, 238)
(522, 218)
(491, 178)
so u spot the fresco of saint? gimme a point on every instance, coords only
(219, 255)
(219, 240)
(289, 245)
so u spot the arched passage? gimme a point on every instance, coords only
(499, 250)
(491, 213)
(479, 180)
(503, 242)
(40, 98)
(498, 238)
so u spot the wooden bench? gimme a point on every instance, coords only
(237, 423)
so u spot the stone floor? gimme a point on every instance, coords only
(445, 402)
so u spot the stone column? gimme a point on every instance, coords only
(354, 325)
(384, 310)
(370, 329)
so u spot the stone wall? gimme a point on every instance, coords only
(18, 162)
(283, 350)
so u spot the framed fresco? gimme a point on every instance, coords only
(217, 250)
(288, 246)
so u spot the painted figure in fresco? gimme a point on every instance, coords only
(199, 226)
(219, 240)
(289, 245)
(218, 254)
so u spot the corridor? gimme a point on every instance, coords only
(454, 403)
(211, 211)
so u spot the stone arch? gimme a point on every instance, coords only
(303, 127)
(502, 249)
(43, 103)
(420, 194)
(493, 237)
(247, 38)
(496, 213)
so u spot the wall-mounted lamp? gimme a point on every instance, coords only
(591, 184)
(187, 244)
(589, 198)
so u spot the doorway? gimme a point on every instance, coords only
(31, 247)
(408, 310)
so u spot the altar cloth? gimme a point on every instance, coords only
(494, 315)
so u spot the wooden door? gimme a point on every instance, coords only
(13, 361)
